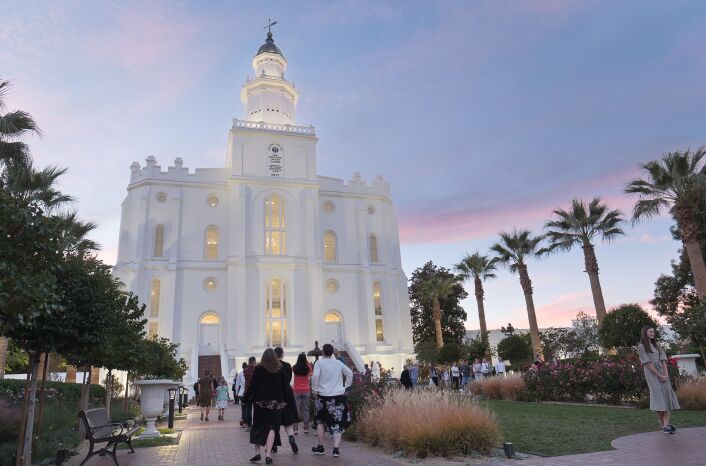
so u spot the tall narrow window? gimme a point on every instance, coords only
(377, 302)
(373, 249)
(155, 294)
(275, 229)
(211, 246)
(276, 313)
(329, 246)
(158, 241)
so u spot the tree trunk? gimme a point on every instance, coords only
(686, 221)
(436, 310)
(23, 419)
(526, 284)
(40, 415)
(108, 391)
(26, 458)
(4, 346)
(481, 308)
(589, 256)
(82, 404)
(127, 392)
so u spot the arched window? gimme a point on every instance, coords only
(332, 317)
(158, 241)
(329, 246)
(374, 249)
(377, 301)
(276, 313)
(275, 227)
(155, 294)
(211, 246)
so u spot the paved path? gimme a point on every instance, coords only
(224, 443)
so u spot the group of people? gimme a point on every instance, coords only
(273, 394)
(210, 391)
(459, 374)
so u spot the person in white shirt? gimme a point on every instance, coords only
(485, 368)
(331, 408)
(238, 391)
(455, 376)
(500, 367)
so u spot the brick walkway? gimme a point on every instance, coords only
(224, 443)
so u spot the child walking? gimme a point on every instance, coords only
(222, 398)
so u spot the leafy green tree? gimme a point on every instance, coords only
(479, 268)
(513, 250)
(427, 352)
(450, 353)
(553, 342)
(621, 327)
(436, 289)
(581, 226)
(158, 360)
(516, 348)
(453, 316)
(676, 182)
(477, 347)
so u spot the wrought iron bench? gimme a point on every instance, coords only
(100, 429)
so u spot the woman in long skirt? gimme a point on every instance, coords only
(654, 363)
(290, 416)
(266, 391)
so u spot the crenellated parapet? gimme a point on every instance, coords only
(356, 184)
(152, 171)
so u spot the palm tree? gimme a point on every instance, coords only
(580, 226)
(13, 127)
(479, 268)
(436, 289)
(675, 182)
(513, 250)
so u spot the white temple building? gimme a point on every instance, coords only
(264, 251)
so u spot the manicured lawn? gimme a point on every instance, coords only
(552, 430)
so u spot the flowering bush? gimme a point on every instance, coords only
(612, 380)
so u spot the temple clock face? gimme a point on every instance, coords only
(275, 160)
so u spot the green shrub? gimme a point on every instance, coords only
(13, 391)
(622, 325)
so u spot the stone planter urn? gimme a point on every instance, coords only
(687, 363)
(151, 403)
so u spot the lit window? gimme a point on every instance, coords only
(373, 249)
(210, 284)
(332, 317)
(212, 200)
(275, 229)
(161, 197)
(330, 246)
(377, 302)
(329, 207)
(153, 322)
(209, 318)
(276, 313)
(158, 241)
(331, 285)
(211, 247)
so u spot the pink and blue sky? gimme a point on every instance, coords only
(484, 115)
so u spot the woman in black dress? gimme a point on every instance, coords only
(290, 416)
(266, 391)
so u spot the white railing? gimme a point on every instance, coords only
(355, 356)
(274, 127)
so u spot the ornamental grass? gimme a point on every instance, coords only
(510, 387)
(428, 422)
(692, 393)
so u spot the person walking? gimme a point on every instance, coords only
(289, 414)
(465, 374)
(266, 391)
(222, 399)
(654, 363)
(331, 408)
(414, 374)
(246, 405)
(455, 374)
(205, 394)
(302, 390)
(405, 378)
(239, 391)
(500, 367)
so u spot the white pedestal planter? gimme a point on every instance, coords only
(687, 363)
(151, 403)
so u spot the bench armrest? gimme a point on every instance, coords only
(112, 424)
(128, 423)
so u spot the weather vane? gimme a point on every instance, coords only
(269, 26)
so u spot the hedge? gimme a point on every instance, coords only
(13, 390)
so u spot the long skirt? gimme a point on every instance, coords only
(333, 412)
(264, 420)
(290, 415)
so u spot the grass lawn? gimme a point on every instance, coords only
(552, 429)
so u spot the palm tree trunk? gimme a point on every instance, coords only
(589, 256)
(108, 392)
(4, 347)
(526, 284)
(436, 310)
(686, 221)
(481, 308)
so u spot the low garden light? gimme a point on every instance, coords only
(509, 449)
(316, 352)
(172, 396)
(182, 394)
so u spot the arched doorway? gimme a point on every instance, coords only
(333, 331)
(209, 334)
